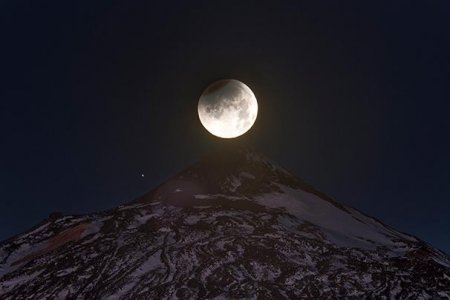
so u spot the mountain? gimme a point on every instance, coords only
(233, 225)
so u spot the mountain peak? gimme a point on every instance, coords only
(237, 172)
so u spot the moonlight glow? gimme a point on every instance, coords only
(227, 108)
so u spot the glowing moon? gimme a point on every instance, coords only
(227, 108)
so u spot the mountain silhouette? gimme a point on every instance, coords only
(232, 225)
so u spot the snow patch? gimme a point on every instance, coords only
(340, 227)
(235, 183)
(191, 220)
(247, 175)
(216, 196)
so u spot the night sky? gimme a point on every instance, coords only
(353, 98)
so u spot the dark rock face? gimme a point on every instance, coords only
(231, 226)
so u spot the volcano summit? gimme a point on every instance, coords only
(233, 225)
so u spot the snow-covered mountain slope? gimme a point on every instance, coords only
(233, 225)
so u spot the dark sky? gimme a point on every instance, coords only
(353, 97)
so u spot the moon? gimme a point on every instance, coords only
(227, 108)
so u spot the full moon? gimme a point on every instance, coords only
(227, 108)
